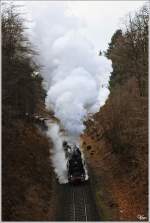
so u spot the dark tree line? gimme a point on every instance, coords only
(26, 171)
(119, 131)
(21, 82)
(128, 51)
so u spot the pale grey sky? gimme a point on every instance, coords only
(103, 17)
(100, 18)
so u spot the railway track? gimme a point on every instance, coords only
(76, 203)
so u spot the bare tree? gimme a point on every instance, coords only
(21, 89)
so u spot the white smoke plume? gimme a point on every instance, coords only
(76, 77)
(59, 161)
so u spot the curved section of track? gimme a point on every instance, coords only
(76, 203)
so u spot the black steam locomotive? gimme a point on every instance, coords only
(76, 172)
(75, 166)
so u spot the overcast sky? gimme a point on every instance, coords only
(100, 18)
(103, 17)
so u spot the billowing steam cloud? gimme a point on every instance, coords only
(59, 161)
(77, 81)
(77, 78)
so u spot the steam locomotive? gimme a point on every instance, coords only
(75, 164)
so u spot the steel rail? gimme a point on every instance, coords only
(85, 208)
(74, 209)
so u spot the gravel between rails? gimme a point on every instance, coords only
(76, 203)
